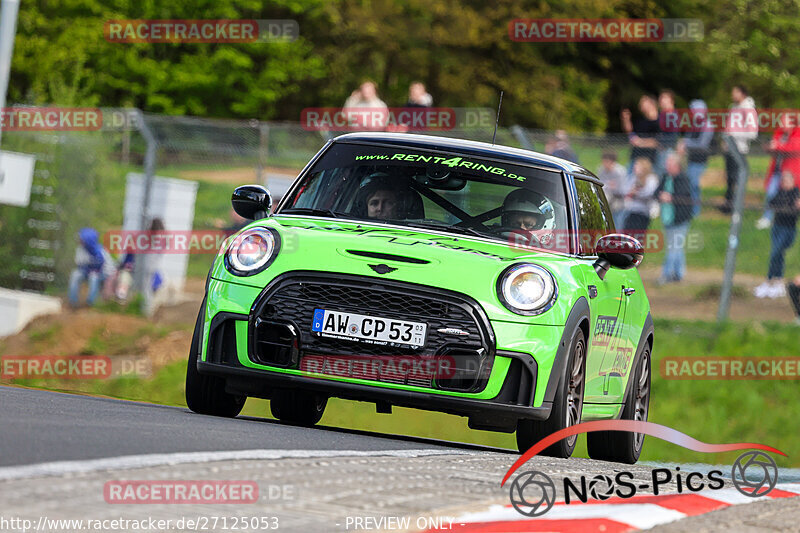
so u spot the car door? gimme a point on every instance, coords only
(608, 345)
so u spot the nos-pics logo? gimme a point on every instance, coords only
(534, 493)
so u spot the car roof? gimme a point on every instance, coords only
(476, 148)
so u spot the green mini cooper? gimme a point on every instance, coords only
(455, 276)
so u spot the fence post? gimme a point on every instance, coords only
(149, 173)
(736, 226)
(8, 29)
(263, 153)
(519, 133)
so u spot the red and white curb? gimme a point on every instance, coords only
(615, 515)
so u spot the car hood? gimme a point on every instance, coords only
(458, 263)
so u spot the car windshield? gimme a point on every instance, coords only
(431, 189)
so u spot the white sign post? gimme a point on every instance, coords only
(16, 178)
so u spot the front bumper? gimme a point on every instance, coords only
(483, 414)
(510, 392)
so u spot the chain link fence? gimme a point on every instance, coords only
(80, 181)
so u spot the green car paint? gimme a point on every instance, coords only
(458, 263)
(618, 311)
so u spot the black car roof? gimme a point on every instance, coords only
(476, 148)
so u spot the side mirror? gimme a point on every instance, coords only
(252, 202)
(618, 251)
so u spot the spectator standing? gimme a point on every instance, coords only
(785, 148)
(667, 140)
(366, 108)
(643, 132)
(123, 281)
(559, 146)
(675, 194)
(365, 96)
(418, 96)
(614, 176)
(639, 193)
(696, 144)
(90, 260)
(786, 205)
(744, 108)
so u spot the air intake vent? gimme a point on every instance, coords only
(389, 257)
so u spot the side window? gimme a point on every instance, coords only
(605, 207)
(595, 216)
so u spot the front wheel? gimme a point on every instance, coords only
(205, 394)
(297, 407)
(623, 446)
(567, 406)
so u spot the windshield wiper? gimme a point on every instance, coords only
(441, 227)
(309, 211)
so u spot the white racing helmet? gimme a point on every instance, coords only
(525, 202)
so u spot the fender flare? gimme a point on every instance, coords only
(580, 312)
(648, 329)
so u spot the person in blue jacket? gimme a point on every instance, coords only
(89, 261)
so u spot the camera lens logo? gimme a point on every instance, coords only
(533, 493)
(754, 474)
(601, 487)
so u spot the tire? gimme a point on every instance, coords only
(298, 407)
(622, 446)
(206, 394)
(567, 405)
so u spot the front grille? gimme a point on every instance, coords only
(370, 298)
(292, 299)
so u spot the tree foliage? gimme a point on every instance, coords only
(459, 48)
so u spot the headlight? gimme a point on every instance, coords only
(527, 289)
(251, 251)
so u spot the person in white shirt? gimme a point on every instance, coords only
(742, 126)
(639, 196)
(614, 176)
(365, 108)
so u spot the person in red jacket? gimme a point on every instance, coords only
(785, 149)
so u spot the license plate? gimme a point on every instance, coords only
(369, 329)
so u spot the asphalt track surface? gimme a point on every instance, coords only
(41, 426)
(59, 451)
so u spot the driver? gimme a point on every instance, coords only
(379, 198)
(382, 203)
(522, 210)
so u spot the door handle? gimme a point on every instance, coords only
(628, 291)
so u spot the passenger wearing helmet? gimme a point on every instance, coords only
(522, 209)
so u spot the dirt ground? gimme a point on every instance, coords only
(697, 297)
(163, 339)
(234, 175)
